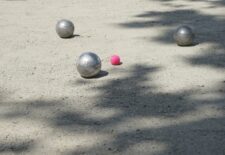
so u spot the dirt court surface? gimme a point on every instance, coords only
(163, 100)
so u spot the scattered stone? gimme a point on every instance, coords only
(138, 130)
(110, 149)
(97, 123)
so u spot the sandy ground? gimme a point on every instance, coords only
(163, 99)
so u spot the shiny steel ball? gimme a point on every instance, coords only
(65, 28)
(88, 65)
(184, 36)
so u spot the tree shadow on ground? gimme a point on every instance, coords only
(148, 122)
(209, 29)
(203, 135)
(16, 147)
(13, 146)
(216, 3)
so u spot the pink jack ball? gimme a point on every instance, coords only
(115, 60)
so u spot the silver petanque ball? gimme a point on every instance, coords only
(184, 36)
(88, 64)
(65, 28)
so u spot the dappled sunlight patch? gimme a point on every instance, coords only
(207, 97)
(201, 113)
(146, 148)
(104, 113)
(22, 128)
(75, 141)
(213, 96)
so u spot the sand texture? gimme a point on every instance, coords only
(163, 100)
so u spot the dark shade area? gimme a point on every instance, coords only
(212, 3)
(16, 147)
